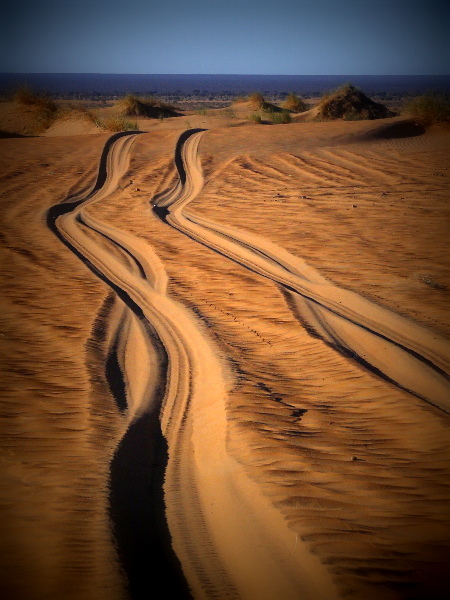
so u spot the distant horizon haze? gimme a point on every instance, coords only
(111, 83)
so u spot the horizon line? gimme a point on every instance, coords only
(231, 74)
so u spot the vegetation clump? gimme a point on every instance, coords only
(283, 116)
(295, 104)
(44, 106)
(257, 101)
(149, 108)
(428, 109)
(256, 118)
(116, 124)
(274, 117)
(350, 103)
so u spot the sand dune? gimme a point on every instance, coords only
(292, 410)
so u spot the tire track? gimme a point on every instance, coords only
(158, 350)
(390, 346)
(172, 389)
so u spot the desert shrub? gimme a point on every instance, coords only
(239, 99)
(202, 111)
(350, 103)
(256, 118)
(295, 104)
(257, 100)
(119, 123)
(428, 109)
(150, 108)
(29, 97)
(283, 116)
(45, 107)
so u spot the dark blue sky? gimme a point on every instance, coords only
(315, 37)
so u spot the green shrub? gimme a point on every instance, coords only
(283, 116)
(257, 100)
(429, 109)
(256, 118)
(269, 109)
(118, 124)
(295, 104)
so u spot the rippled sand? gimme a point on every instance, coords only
(301, 458)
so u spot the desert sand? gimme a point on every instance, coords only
(226, 361)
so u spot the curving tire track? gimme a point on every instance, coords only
(392, 347)
(174, 388)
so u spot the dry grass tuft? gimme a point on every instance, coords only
(279, 117)
(117, 124)
(256, 118)
(428, 109)
(44, 106)
(257, 101)
(295, 104)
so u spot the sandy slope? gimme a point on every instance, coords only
(292, 471)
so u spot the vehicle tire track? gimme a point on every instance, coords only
(389, 345)
(157, 361)
(170, 404)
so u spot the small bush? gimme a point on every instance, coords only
(150, 108)
(429, 109)
(25, 95)
(281, 117)
(269, 109)
(45, 107)
(257, 100)
(256, 118)
(295, 104)
(117, 124)
(202, 111)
